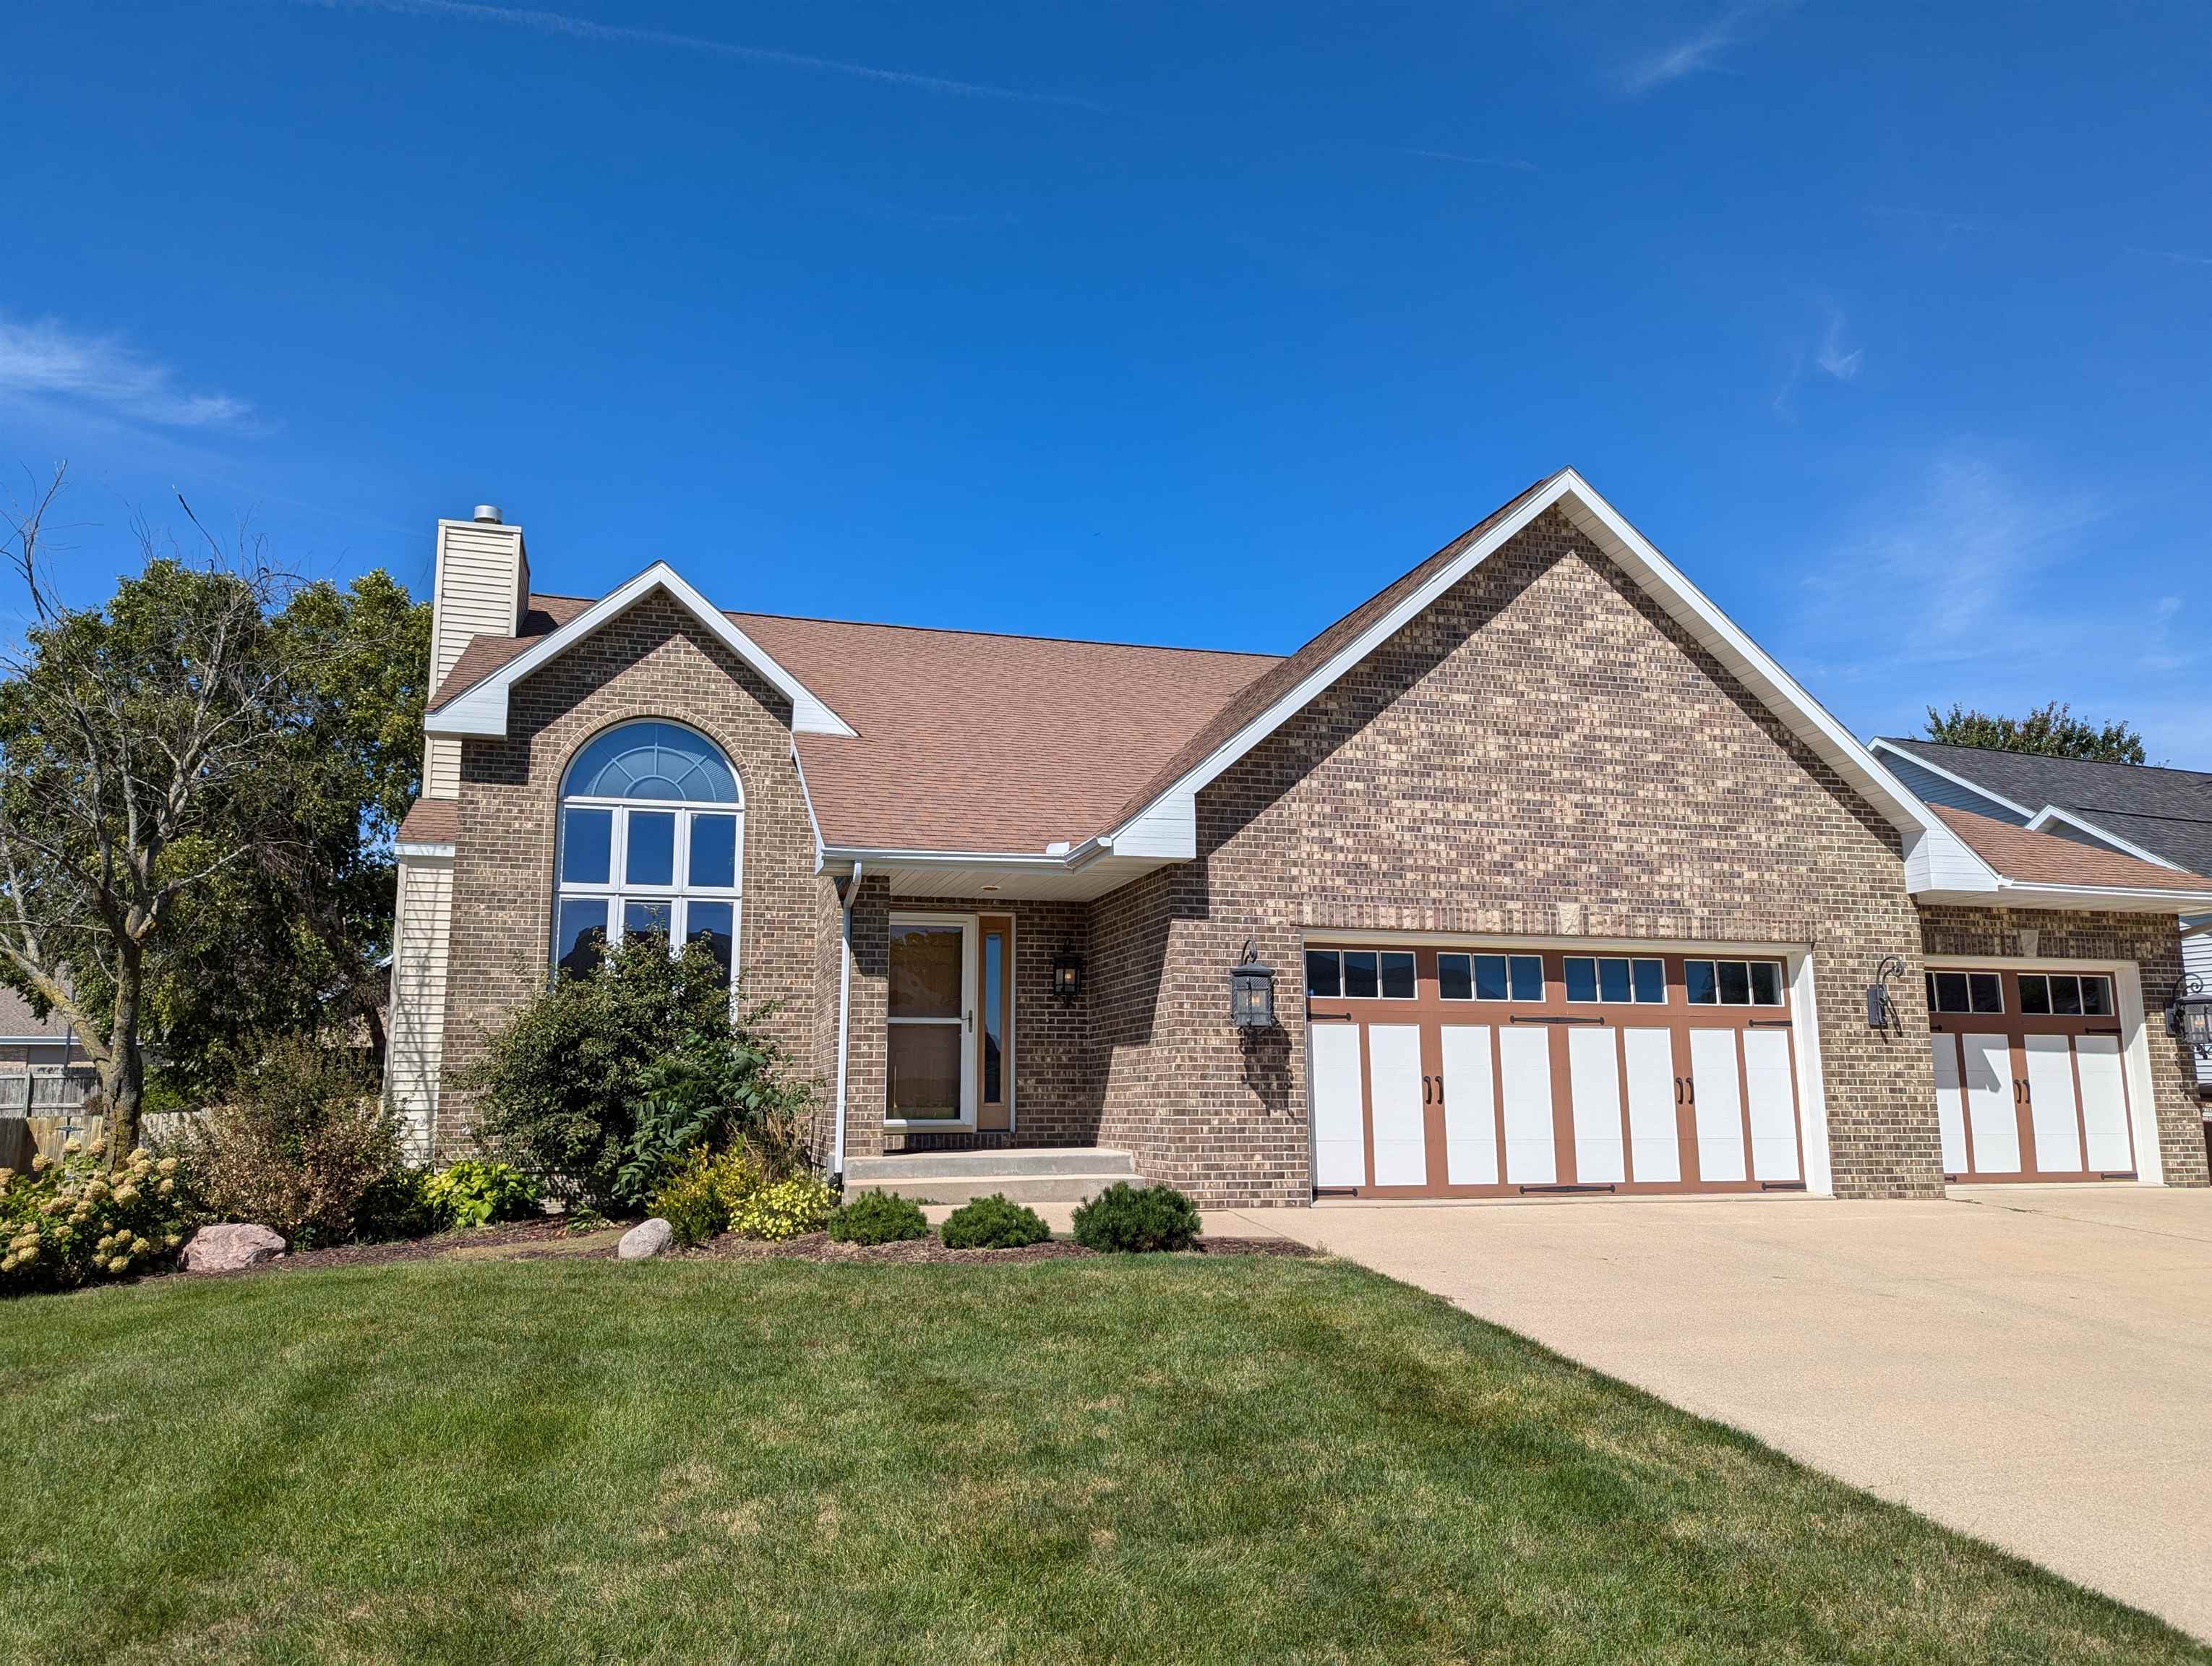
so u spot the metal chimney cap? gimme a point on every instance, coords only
(488, 511)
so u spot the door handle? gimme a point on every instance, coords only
(970, 1016)
(1678, 1090)
(1425, 1080)
(1691, 1082)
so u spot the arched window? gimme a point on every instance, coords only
(653, 842)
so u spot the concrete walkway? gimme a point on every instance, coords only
(2031, 1365)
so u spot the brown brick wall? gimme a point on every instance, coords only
(655, 662)
(1543, 752)
(2149, 939)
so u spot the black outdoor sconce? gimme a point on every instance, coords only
(1882, 1011)
(1251, 992)
(1067, 976)
(2190, 1017)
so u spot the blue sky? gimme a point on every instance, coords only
(1162, 322)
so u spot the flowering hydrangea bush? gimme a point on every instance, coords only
(78, 1221)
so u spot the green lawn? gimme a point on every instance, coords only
(1144, 1460)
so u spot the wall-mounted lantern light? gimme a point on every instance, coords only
(1251, 992)
(2190, 1017)
(1882, 1011)
(1067, 976)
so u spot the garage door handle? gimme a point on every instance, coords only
(1678, 1090)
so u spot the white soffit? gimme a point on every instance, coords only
(1934, 850)
(482, 710)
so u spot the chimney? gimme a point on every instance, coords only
(481, 588)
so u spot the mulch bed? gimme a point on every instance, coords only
(551, 1239)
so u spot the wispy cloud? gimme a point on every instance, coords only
(1833, 356)
(2174, 255)
(45, 359)
(1969, 576)
(1513, 164)
(584, 28)
(1700, 52)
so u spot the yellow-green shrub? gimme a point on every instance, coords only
(698, 1199)
(79, 1222)
(785, 1209)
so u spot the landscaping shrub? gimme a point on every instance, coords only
(398, 1205)
(996, 1222)
(879, 1218)
(697, 1199)
(606, 1084)
(298, 1148)
(476, 1192)
(783, 1209)
(1136, 1217)
(82, 1221)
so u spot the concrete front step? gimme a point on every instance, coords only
(1036, 1175)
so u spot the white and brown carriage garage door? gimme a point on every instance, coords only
(1498, 1071)
(2031, 1080)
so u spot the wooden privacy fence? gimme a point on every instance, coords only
(21, 1136)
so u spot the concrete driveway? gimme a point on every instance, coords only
(2033, 1365)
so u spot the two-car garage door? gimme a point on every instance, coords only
(1499, 1073)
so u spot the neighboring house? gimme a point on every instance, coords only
(1565, 885)
(2160, 816)
(42, 1068)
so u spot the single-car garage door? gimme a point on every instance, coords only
(1493, 1071)
(2030, 1079)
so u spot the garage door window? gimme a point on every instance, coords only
(1966, 992)
(2055, 996)
(1615, 978)
(1489, 976)
(1360, 973)
(1733, 983)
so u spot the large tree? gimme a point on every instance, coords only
(296, 941)
(2051, 730)
(198, 783)
(128, 734)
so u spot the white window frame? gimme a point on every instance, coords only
(1754, 1005)
(1628, 960)
(618, 893)
(1475, 986)
(1969, 1010)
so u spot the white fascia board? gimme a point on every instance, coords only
(2115, 899)
(1659, 578)
(1956, 779)
(420, 850)
(482, 710)
(2051, 812)
(813, 824)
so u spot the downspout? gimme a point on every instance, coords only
(844, 1011)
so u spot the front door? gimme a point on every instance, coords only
(930, 1014)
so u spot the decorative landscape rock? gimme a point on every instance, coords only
(229, 1247)
(646, 1240)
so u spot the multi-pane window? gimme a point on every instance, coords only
(1489, 976)
(1966, 992)
(1360, 973)
(652, 844)
(1732, 982)
(1615, 978)
(2063, 995)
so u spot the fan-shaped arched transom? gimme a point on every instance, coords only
(652, 844)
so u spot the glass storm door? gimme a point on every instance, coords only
(931, 1018)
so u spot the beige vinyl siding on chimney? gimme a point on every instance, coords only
(416, 1046)
(481, 588)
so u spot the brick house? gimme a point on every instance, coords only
(1564, 885)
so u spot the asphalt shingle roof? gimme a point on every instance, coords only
(2166, 811)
